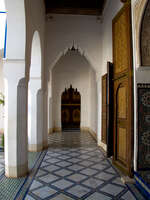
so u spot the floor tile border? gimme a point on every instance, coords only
(29, 179)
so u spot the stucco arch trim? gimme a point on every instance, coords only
(138, 11)
(82, 52)
(35, 68)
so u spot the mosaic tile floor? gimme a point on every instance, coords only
(10, 188)
(75, 168)
(72, 168)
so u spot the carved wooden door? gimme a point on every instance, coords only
(70, 109)
(104, 108)
(122, 78)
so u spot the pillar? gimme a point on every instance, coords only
(16, 155)
(35, 116)
(45, 119)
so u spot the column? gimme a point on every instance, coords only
(16, 155)
(35, 118)
(45, 119)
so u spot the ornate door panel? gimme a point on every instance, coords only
(104, 108)
(121, 120)
(70, 109)
(122, 78)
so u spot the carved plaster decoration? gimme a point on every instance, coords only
(138, 11)
(145, 37)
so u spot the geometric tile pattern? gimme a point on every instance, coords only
(72, 168)
(75, 168)
(9, 187)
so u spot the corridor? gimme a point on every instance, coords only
(75, 168)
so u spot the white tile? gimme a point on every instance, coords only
(44, 164)
(104, 176)
(62, 184)
(52, 160)
(63, 172)
(74, 160)
(28, 197)
(78, 191)
(93, 182)
(98, 196)
(44, 192)
(48, 178)
(51, 168)
(112, 189)
(99, 166)
(128, 196)
(63, 157)
(35, 185)
(88, 171)
(74, 154)
(118, 181)
(63, 164)
(77, 177)
(62, 197)
(40, 172)
(111, 170)
(86, 163)
(75, 167)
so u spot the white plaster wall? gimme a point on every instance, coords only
(62, 30)
(72, 69)
(93, 101)
(1, 91)
(50, 116)
(35, 68)
(16, 31)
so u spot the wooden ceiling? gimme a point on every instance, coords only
(79, 7)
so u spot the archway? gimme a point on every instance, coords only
(70, 109)
(73, 68)
(34, 137)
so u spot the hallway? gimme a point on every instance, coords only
(72, 168)
(75, 168)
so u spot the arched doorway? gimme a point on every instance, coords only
(70, 109)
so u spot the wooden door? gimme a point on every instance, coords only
(104, 109)
(109, 109)
(123, 99)
(70, 109)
